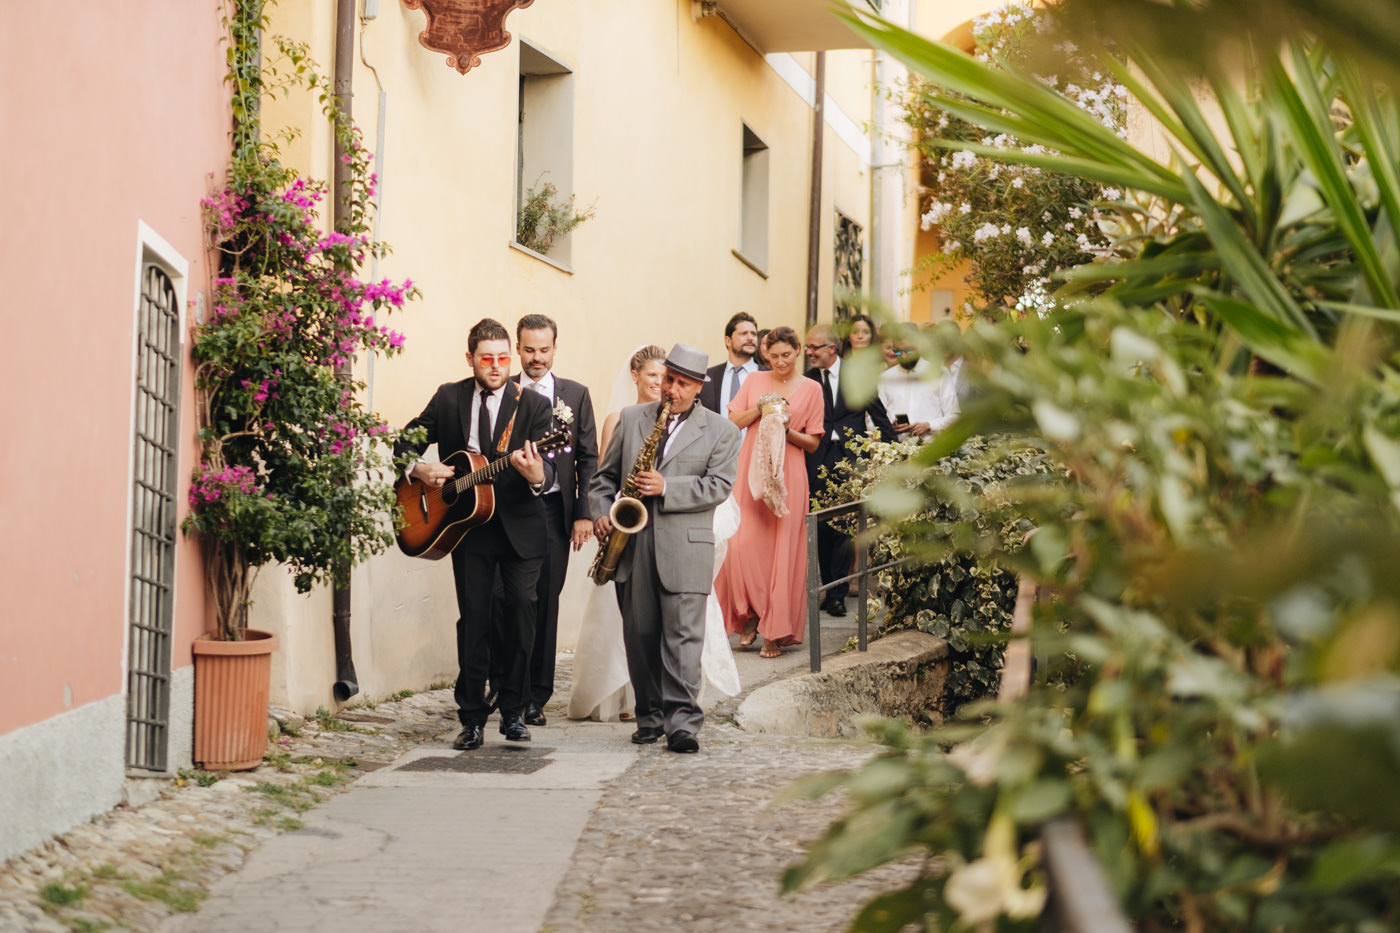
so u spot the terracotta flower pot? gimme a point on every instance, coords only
(231, 683)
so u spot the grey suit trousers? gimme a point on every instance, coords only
(664, 634)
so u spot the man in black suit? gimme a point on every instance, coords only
(567, 517)
(489, 415)
(834, 550)
(741, 342)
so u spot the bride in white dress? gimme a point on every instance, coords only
(602, 689)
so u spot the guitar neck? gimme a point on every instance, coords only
(488, 472)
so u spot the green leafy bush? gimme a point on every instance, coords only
(1225, 407)
(947, 587)
(544, 217)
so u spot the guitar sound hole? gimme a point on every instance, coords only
(449, 494)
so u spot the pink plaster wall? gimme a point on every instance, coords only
(110, 113)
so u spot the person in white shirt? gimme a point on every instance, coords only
(568, 519)
(920, 400)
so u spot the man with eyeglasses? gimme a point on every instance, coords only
(834, 549)
(489, 415)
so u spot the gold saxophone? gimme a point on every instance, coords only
(628, 513)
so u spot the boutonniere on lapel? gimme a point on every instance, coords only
(562, 413)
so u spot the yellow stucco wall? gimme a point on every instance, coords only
(660, 102)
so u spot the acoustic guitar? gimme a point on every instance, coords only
(436, 518)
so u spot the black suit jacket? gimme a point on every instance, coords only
(843, 418)
(575, 467)
(709, 393)
(447, 419)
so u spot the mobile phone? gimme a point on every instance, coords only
(901, 419)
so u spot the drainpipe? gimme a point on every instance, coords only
(346, 685)
(814, 219)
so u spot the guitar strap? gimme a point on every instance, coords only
(504, 443)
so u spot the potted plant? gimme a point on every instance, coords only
(293, 467)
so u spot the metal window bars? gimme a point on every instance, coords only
(154, 488)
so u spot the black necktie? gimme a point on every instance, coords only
(483, 425)
(826, 394)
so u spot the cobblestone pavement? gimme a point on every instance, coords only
(679, 842)
(696, 844)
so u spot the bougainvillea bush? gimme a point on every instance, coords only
(292, 467)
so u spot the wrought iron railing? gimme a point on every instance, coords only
(861, 576)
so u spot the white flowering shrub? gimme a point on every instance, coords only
(1015, 224)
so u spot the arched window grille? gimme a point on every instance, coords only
(155, 486)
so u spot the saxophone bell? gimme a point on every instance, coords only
(628, 515)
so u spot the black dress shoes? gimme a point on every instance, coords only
(834, 607)
(682, 741)
(646, 735)
(534, 716)
(469, 738)
(513, 729)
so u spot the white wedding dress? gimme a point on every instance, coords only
(602, 689)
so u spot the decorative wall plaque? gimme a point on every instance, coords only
(465, 29)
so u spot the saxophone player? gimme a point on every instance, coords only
(665, 572)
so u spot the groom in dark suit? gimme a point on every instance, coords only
(667, 569)
(834, 549)
(489, 415)
(567, 516)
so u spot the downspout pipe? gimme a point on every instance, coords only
(346, 684)
(814, 218)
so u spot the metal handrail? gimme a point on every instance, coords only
(815, 588)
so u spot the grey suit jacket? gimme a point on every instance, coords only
(699, 465)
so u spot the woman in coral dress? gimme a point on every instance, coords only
(762, 587)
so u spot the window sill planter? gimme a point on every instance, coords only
(231, 684)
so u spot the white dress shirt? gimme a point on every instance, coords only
(724, 384)
(493, 405)
(544, 387)
(835, 376)
(920, 394)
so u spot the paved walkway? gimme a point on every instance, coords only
(578, 830)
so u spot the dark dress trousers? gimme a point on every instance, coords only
(574, 469)
(511, 544)
(834, 551)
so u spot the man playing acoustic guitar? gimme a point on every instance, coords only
(490, 416)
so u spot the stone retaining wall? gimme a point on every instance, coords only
(902, 674)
